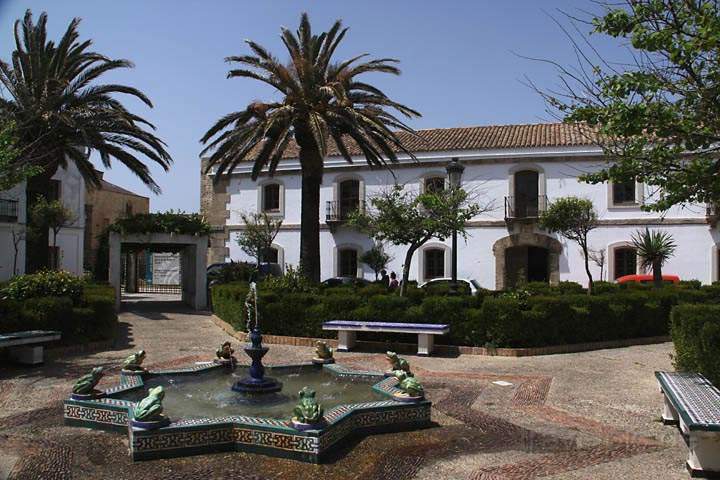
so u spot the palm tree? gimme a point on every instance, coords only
(62, 115)
(654, 248)
(322, 101)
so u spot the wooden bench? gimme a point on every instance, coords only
(347, 332)
(23, 346)
(693, 404)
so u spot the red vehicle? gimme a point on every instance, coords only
(647, 279)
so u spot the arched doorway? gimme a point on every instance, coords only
(526, 257)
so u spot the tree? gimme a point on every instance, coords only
(62, 115)
(657, 117)
(376, 258)
(321, 100)
(405, 218)
(18, 235)
(598, 258)
(258, 235)
(573, 218)
(54, 216)
(12, 171)
(654, 247)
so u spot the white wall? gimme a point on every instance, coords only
(70, 239)
(488, 181)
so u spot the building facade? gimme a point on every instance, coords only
(68, 186)
(103, 206)
(514, 170)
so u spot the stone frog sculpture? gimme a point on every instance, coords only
(323, 353)
(150, 408)
(134, 362)
(308, 410)
(397, 363)
(411, 387)
(86, 384)
(225, 352)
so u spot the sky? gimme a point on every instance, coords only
(462, 61)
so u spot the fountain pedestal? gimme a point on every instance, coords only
(256, 382)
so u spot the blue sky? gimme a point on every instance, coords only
(457, 60)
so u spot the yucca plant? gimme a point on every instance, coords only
(654, 247)
(61, 115)
(321, 101)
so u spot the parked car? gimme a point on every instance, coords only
(646, 279)
(463, 284)
(338, 281)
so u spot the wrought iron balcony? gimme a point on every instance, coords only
(8, 210)
(525, 207)
(340, 211)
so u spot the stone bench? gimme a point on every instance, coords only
(693, 404)
(23, 346)
(347, 332)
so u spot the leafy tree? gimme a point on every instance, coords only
(54, 216)
(12, 171)
(405, 218)
(573, 218)
(656, 118)
(376, 258)
(321, 100)
(654, 247)
(62, 115)
(258, 235)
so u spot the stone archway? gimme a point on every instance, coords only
(193, 260)
(527, 240)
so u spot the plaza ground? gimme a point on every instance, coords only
(573, 416)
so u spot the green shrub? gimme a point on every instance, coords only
(696, 334)
(602, 286)
(504, 322)
(48, 283)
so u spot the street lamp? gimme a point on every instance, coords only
(454, 170)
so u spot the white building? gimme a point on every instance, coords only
(68, 186)
(516, 168)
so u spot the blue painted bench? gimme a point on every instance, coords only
(347, 332)
(23, 346)
(693, 404)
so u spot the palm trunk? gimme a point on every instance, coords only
(311, 163)
(310, 226)
(657, 274)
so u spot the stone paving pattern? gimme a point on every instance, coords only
(572, 416)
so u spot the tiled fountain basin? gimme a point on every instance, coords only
(269, 435)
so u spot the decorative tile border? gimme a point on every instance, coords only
(250, 434)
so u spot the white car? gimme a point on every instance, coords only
(473, 285)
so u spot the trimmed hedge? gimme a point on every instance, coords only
(91, 317)
(696, 334)
(534, 317)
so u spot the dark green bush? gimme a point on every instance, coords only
(696, 333)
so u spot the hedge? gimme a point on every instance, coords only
(533, 318)
(696, 333)
(91, 317)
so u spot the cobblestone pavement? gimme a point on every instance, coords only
(575, 416)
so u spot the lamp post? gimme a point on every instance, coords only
(454, 170)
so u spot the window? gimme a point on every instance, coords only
(623, 193)
(434, 184)
(347, 263)
(625, 262)
(271, 198)
(54, 190)
(270, 256)
(434, 263)
(349, 198)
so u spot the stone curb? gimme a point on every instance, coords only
(450, 349)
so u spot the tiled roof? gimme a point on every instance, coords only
(481, 138)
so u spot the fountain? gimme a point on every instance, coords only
(255, 383)
(219, 405)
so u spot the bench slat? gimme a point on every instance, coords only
(349, 324)
(696, 400)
